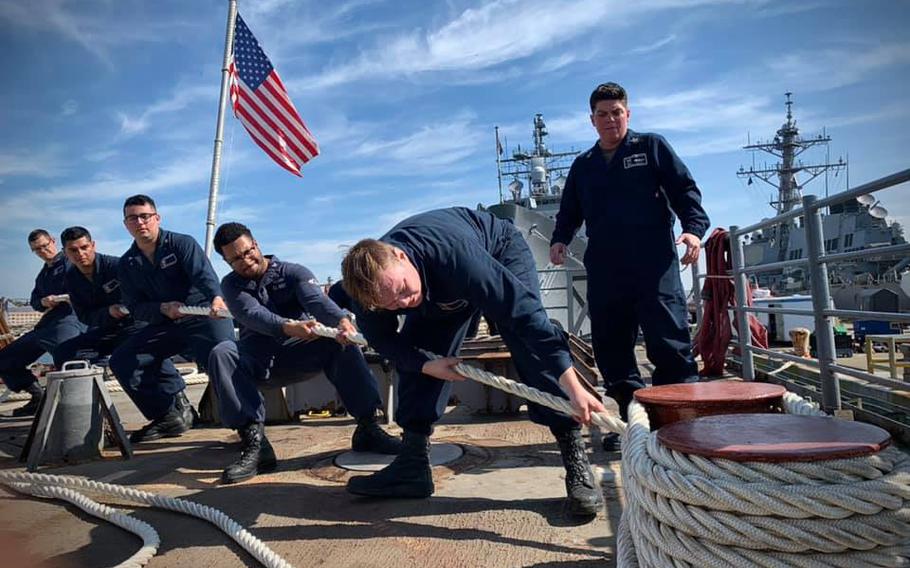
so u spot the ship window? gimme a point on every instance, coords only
(831, 244)
(795, 254)
(848, 240)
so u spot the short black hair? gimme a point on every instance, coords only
(228, 233)
(37, 234)
(74, 234)
(139, 199)
(608, 92)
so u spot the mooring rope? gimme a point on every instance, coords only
(47, 485)
(688, 511)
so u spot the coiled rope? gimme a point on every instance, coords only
(688, 511)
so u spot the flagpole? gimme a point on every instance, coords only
(219, 128)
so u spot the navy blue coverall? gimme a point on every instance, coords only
(55, 327)
(265, 357)
(92, 300)
(628, 208)
(180, 273)
(468, 261)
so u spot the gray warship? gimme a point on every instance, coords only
(531, 181)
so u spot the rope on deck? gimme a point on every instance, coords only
(689, 511)
(53, 485)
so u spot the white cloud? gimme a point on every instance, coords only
(493, 34)
(179, 99)
(429, 147)
(43, 163)
(825, 69)
(69, 108)
(653, 46)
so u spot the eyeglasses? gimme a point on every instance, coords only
(142, 217)
(243, 255)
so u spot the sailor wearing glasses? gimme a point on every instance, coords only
(94, 289)
(58, 324)
(439, 269)
(161, 272)
(276, 304)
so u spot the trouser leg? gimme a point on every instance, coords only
(664, 322)
(142, 367)
(16, 356)
(422, 399)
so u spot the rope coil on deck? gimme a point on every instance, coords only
(691, 511)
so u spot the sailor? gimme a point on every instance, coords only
(276, 304)
(438, 269)
(58, 323)
(626, 189)
(161, 272)
(94, 289)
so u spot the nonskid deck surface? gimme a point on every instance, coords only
(501, 504)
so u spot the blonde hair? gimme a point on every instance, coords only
(360, 270)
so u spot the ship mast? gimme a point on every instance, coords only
(787, 146)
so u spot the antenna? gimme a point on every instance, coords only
(878, 212)
(866, 200)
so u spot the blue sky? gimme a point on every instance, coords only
(103, 99)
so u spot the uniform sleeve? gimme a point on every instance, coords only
(680, 188)
(35, 299)
(198, 267)
(569, 217)
(312, 299)
(505, 299)
(380, 328)
(141, 307)
(248, 312)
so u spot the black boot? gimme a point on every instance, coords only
(183, 405)
(256, 455)
(31, 407)
(583, 494)
(408, 476)
(369, 437)
(175, 422)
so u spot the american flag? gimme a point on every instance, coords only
(262, 104)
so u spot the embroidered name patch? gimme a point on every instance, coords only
(635, 160)
(110, 286)
(169, 260)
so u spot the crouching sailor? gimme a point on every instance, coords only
(277, 304)
(94, 290)
(57, 325)
(439, 269)
(161, 272)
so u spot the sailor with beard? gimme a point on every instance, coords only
(276, 304)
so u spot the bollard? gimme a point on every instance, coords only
(76, 433)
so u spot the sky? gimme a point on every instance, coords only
(103, 99)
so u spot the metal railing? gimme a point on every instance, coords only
(823, 310)
(576, 306)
